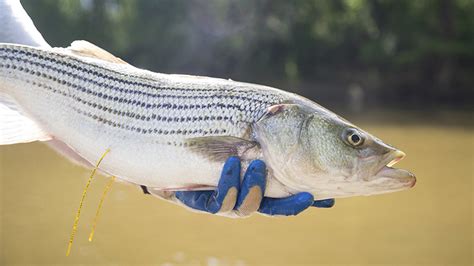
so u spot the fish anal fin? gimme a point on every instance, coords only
(16, 126)
(168, 193)
(87, 49)
(219, 148)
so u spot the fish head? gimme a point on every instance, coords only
(312, 149)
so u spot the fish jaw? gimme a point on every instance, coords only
(385, 183)
(396, 179)
(385, 179)
(404, 178)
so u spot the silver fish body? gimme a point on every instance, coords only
(144, 118)
(163, 131)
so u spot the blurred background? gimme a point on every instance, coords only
(403, 70)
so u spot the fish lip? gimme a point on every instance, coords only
(394, 157)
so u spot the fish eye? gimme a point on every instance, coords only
(353, 137)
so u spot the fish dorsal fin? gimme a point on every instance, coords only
(87, 49)
(219, 148)
(15, 126)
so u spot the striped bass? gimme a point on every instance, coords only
(91, 101)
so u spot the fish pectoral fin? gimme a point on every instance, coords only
(87, 49)
(219, 148)
(15, 125)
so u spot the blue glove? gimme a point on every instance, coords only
(247, 198)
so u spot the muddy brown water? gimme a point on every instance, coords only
(429, 224)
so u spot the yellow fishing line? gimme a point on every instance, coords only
(78, 214)
(106, 190)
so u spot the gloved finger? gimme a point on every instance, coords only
(325, 203)
(223, 198)
(252, 189)
(291, 205)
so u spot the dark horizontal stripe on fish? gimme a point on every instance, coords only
(152, 117)
(159, 131)
(156, 131)
(130, 83)
(167, 105)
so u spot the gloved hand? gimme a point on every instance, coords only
(232, 198)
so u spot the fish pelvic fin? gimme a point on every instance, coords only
(16, 126)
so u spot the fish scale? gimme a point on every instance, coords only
(145, 118)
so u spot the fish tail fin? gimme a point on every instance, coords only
(15, 125)
(17, 27)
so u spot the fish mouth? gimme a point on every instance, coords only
(404, 177)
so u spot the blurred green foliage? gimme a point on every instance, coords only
(402, 52)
